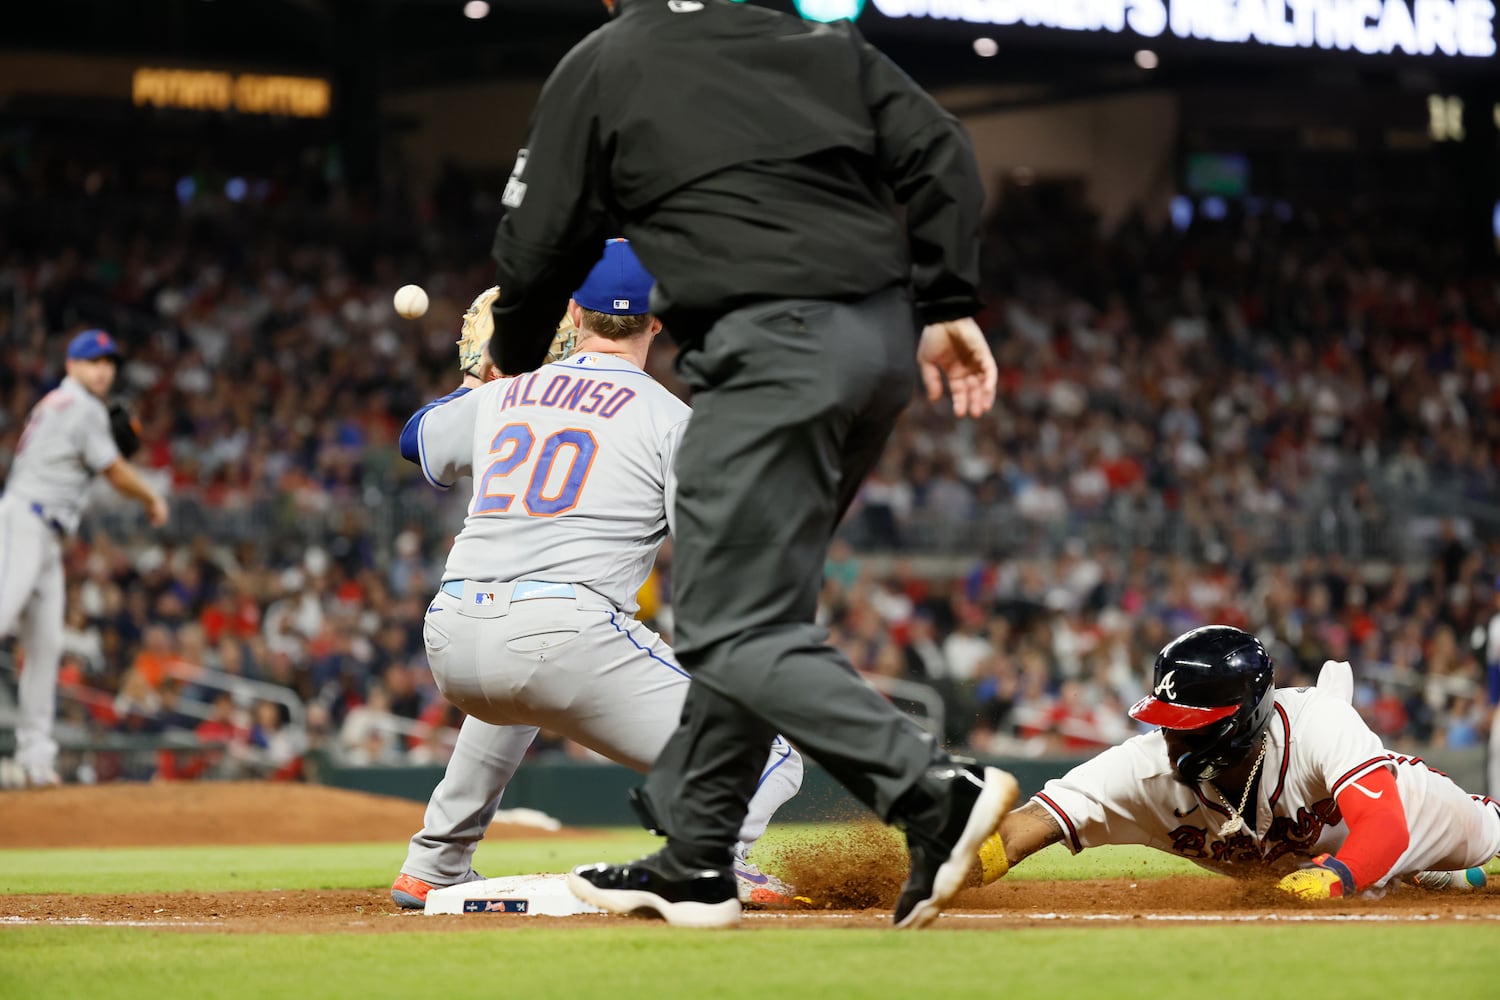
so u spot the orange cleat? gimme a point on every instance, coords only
(410, 892)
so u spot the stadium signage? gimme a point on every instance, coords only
(246, 93)
(1371, 27)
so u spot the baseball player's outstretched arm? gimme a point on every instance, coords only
(1022, 833)
(1378, 837)
(128, 482)
(1028, 830)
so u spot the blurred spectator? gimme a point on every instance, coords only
(282, 746)
(1286, 421)
(366, 736)
(137, 707)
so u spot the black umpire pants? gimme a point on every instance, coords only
(793, 403)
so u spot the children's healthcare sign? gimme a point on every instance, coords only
(1439, 28)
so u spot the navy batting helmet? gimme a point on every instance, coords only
(1214, 686)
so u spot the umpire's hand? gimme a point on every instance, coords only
(958, 351)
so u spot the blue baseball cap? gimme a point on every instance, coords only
(618, 284)
(91, 345)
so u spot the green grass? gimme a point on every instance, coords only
(650, 961)
(362, 866)
(358, 866)
(320, 866)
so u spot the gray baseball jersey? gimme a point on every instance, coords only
(66, 442)
(573, 484)
(585, 446)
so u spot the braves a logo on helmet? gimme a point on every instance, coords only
(1165, 688)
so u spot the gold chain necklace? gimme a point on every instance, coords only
(1236, 822)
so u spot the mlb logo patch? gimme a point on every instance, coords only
(495, 906)
(484, 599)
(622, 303)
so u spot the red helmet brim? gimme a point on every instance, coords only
(1155, 712)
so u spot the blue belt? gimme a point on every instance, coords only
(41, 512)
(521, 590)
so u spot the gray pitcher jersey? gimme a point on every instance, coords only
(572, 468)
(66, 442)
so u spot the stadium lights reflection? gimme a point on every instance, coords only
(476, 9)
(986, 47)
(1146, 59)
(1181, 209)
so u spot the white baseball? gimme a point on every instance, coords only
(411, 301)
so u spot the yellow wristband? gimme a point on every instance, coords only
(992, 859)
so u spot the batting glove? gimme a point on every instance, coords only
(1324, 877)
(992, 859)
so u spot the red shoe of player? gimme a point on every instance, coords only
(410, 892)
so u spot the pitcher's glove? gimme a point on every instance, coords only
(1324, 877)
(564, 341)
(125, 429)
(479, 326)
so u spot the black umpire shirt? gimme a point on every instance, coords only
(749, 156)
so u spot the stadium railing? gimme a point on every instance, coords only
(1398, 525)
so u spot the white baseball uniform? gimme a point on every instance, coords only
(65, 443)
(1319, 747)
(572, 496)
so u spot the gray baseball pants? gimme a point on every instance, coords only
(32, 598)
(792, 404)
(574, 665)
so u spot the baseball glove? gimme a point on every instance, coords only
(565, 340)
(125, 429)
(479, 326)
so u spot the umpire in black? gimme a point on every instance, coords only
(754, 160)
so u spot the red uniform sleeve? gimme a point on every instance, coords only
(1378, 834)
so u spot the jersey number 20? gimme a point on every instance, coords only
(513, 447)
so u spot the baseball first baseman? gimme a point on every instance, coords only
(68, 439)
(1244, 778)
(533, 626)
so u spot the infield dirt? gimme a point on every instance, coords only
(186, 814)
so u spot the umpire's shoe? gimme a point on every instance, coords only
(948, 815)
(702, 898)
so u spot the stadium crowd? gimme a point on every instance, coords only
(1282, 422)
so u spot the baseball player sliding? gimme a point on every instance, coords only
(68, 439)
(573, 484)
(1245, 778)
